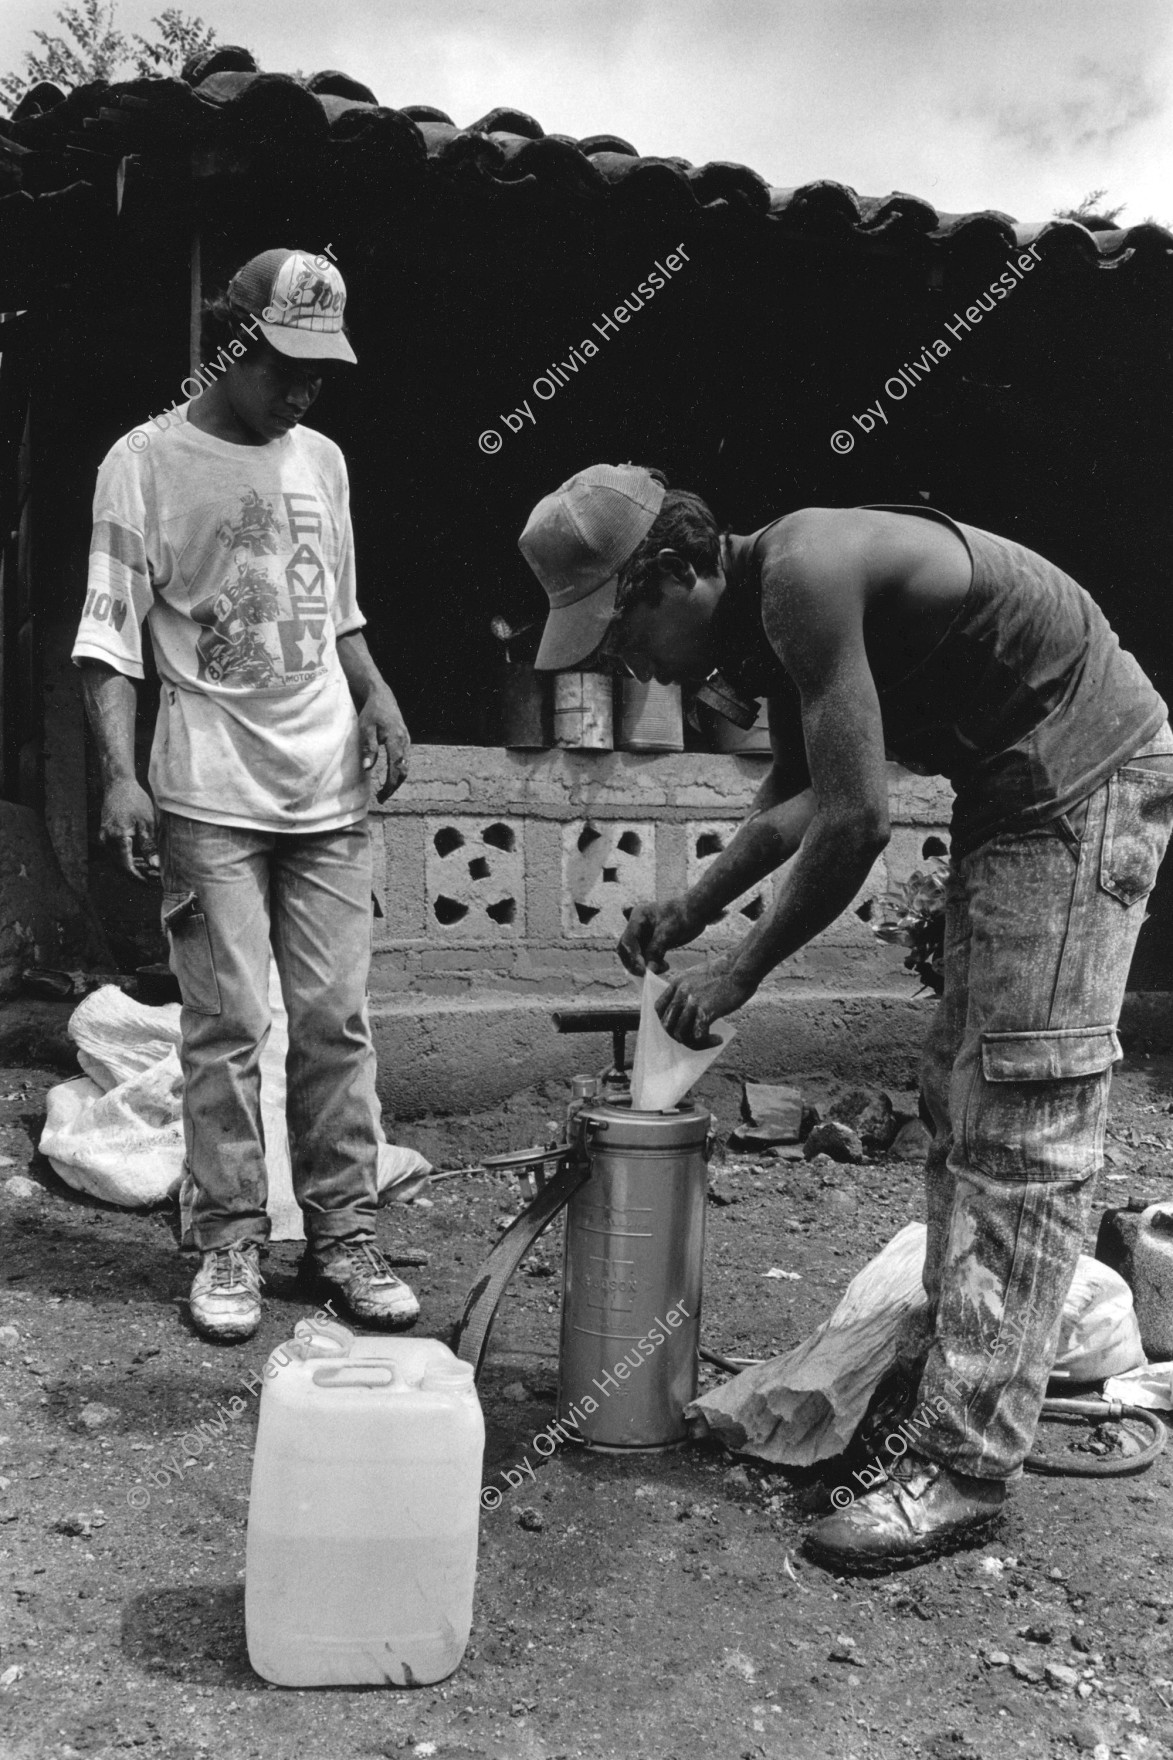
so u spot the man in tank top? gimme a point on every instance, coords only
(897, 632)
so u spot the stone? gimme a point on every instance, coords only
(998, 1659)
(9, 1338)
(772, 1112)
(1083, 1734)
(878, 1124)
(81, 1522)
(22, 1190)
(1061, 1677)
(912, 1142)
(517, 1392)
(93, 1416)
(1026, 1671)
(837, 1140)
(531, 1520)
(846, 1203)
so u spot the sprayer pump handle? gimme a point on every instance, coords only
(528, 1157)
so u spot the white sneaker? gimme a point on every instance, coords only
(358, 1272)
(225, 1298)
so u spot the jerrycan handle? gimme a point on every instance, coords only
(354, 1375)
(323, 1338)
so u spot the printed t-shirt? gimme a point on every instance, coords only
(240, 561)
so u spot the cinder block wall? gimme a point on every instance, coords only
(503, 880)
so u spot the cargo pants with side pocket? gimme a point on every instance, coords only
(1039, 934)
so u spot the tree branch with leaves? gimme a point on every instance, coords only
(91, 47)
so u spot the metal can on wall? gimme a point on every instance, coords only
(651, 718)
(523, 708)
(583, 712)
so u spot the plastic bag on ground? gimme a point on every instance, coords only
(1099, 1333)
(805, 1406)
(118, 1038)
(117, 1131)
(664, 1070)
(125, 1147)
(1151, 1386)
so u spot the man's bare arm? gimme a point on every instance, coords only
(813, 614)
(379, 720)
(128, 814)
(768, 837)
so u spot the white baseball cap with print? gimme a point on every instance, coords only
(298, 300)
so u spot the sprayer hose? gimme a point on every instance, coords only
(1099, 1410)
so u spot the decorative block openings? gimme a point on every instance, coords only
(706, 840)
(607, 867)
(474, 879)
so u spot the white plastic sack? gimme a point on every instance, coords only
(805, 1406)
(1150, 1386)
(664, 1070)
(118, 1038)
(126, 1146)
(1098, 1334)
(117, 1131)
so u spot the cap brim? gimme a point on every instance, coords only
(574, 631)
(308, 345)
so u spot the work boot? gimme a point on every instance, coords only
(225, 1298)
(922, 1509)
(358, 1273)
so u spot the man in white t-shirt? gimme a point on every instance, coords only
(224, 526)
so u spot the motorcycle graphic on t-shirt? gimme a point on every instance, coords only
(265, 625)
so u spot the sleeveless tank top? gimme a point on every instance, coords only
(1027, 703)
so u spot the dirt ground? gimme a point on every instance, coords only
(655, 1606)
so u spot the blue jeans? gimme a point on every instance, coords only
(309, 899)
(1039, 933)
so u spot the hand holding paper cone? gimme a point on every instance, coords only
(698, 997)
(665, 1070)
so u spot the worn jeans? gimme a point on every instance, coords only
(1039, 933)
(308, 898)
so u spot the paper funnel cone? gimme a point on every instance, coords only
(664, 1069)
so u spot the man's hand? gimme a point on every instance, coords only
(128, 825)
(381, 724)
(697, 998)
(651, 930)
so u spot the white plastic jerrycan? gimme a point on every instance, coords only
(363, 1516)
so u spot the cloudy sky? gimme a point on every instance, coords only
(1021, 105)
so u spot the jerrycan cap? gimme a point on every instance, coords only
(447, 1377)
(322, 1338)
